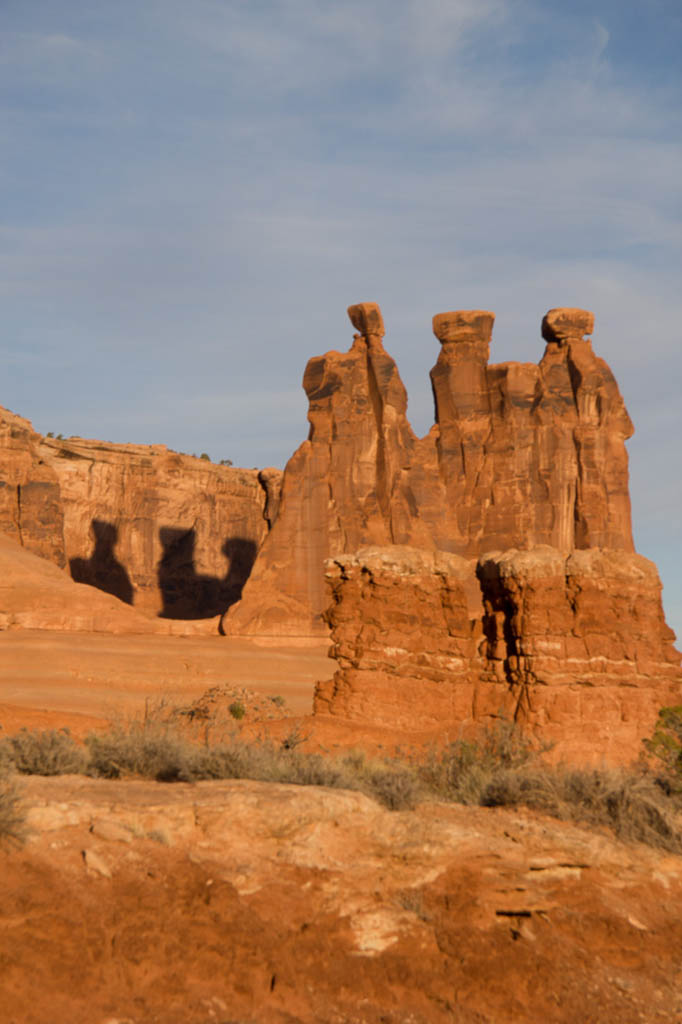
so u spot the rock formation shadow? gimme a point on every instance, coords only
(102, 569)
(187, 594)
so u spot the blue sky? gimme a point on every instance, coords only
(194, 192)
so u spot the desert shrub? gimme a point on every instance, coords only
(11, 813)
(665, 746)
(237, 709)
(149, 748)
(47, 752)
(628, 802)
(205, 456)
(158, 750)
(463, 771)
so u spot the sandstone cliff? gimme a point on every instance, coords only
(346, 485)
(574, 646)
(520, 455)
(171, 534)
(30, 507)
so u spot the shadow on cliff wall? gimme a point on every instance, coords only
(102, 569)
(187, 594)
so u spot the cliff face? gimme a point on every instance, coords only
(172, 535)
(30, 505)
(574, 646)
(520, 455)
(347, 484)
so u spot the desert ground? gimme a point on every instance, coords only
(138, 902)
(53, 679)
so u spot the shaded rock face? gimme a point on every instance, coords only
(520, 455)
(572, 646)
(170, 534)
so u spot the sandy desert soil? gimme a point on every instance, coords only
(141, 903)
(51, 679)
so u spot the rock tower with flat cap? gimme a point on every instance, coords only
(520, 455)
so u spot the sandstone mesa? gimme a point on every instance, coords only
(487, 567)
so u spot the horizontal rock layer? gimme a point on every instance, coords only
(572, 646)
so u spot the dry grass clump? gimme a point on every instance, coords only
(49, 752)
(11, 814)
(631, 803)
(11, 811)
(500, 768)
(503, 769)
(158, 750)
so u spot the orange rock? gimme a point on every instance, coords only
(171, 534)
(520, 455)
(572, 646)
(347, 485)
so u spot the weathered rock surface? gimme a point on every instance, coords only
(181, 904)
(403, 638)
(347, 485)
(171, 534)
(520, 455)
(574, 646)
(30, 506)
(584, 646)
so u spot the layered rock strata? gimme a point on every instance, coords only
(406, 647)
(171, 534)
(574, 646)
(31, 511)
(520, 455)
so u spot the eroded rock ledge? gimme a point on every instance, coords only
(573, 646)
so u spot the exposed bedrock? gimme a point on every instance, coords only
(170, 534)
(520, 455)
(573, 646)
(347, 485)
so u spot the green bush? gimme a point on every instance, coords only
(237, 709)
(666, 745)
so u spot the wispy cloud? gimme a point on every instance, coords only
(195, 192)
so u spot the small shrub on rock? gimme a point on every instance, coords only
(666, 746)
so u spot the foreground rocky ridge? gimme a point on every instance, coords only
(247, 901)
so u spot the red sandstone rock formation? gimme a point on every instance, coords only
(520, 455)
(583, 643)
(403, 639)
(171, 534)
(572, 646)
(30, 506)
(347, 485)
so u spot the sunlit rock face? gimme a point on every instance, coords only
(173, 535)
(520, 455)
(572, 646)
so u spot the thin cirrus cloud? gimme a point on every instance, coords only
(195, 192)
